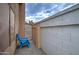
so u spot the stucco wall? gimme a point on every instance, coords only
(21, 19)
(60, 35)
(11, 19)
(65, 19)
(28, 31)
(4, 26)
(12, 47)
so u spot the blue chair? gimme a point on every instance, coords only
(23, 41)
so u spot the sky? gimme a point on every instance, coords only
(40, 11)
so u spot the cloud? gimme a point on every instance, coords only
(41, 15)
(38, 12)
(27, 19)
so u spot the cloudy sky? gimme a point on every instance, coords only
(39, 11)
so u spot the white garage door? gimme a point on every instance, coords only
(60, 40)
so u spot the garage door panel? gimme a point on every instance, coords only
(60, 40)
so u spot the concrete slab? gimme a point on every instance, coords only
(30, 51)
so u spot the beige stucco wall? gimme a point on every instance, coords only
(28, 31)
(60, 35)
(21, 19)
(4, 26)
(15, 8)
(11, 49)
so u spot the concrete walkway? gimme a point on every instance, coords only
(29, 51)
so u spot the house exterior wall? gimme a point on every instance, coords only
(12, 47)
(66, 19)
(36, 35)
(21, 19)
(60, 35)
(18, 10)
(11, 16)
(4, 26)
(28, 31)
(15, 8)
